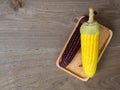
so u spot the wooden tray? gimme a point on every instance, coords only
(75, 67)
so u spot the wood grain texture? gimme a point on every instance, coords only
(32, 38)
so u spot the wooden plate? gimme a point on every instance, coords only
(75, 66)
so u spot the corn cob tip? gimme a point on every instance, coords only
(90, 74)
(91, 15)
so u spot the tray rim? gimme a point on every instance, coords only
(104, 48)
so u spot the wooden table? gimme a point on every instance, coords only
(32, 38)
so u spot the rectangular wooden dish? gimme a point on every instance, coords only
(75, 66)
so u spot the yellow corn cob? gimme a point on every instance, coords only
(89, 48)
(89, 45)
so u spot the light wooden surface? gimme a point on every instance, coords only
(75, 67)
(31, 40)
